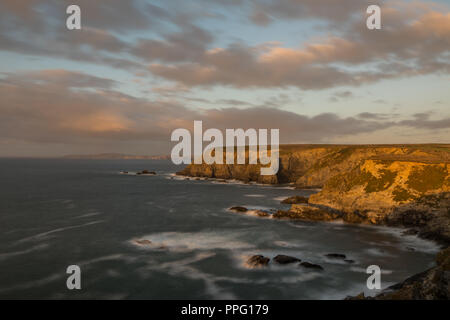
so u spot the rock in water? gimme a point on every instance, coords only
(261, 213)
(295, 200)
(336, 256)
(239, 209)
(143, 242)
(258, 261)
(311, 265)
(349, 261)
(410, 232)
(282, 259)
(146, 172)
(305, 212)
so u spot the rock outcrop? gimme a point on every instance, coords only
(401, 185)
(238, 209)
(310, 265)
(302, 212)
(310, 166)
(283, 259)
(396, 185)
(395, 193)
(295, 200)
(257, 261)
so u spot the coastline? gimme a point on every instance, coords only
(405, 187)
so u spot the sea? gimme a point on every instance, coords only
(170, 237)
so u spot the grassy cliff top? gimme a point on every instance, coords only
(427, 153)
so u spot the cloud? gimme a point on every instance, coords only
(59, 77)
(37, 27)
(116, 15)
(343, 94)
(418, 45)
(423, 121)
(59, 107)
(260, 18)
(414, 41)
(330, 11)
(188, 45)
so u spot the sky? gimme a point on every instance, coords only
(137, 70)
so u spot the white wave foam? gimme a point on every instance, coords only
(87, 215)
(188, 241)
(362, 270)
(45, 234)
(4, 256)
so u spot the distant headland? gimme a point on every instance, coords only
(116, 156)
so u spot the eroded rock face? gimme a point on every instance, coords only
(303, 212)
(295, 200)
(408, 194)
(313, 165)
(283, 259)
(433, 284)
(257, 261)
(225, 172)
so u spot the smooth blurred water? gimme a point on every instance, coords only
(60, 212)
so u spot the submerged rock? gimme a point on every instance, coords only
(295, 200)
(239, 209)
(410, 232)
(336, 256)
(143, 242)
(283, 259)
(349, 261)
(146, 172)
(258, 261)
(311, 265)
(262, 213)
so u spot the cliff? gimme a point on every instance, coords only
(310, 166)
(397, 193)
(397, 185)
(407, 186)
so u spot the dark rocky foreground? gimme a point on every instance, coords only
(258, 261)
(432, 284)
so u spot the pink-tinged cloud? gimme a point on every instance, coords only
(46, 111)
